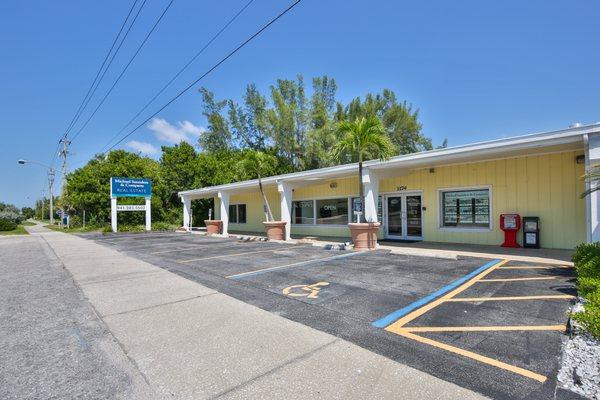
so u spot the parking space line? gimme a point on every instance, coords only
(537, 278)
(229, 255)
(197, 247)
(431, 302)
(560, 328)
(475, 356)
(509, 298)
(536, 267)
(297, 264)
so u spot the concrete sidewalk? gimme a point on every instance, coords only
(191, 342)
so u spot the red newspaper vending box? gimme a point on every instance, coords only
(510, 224)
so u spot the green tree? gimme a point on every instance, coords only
(401, 122)
(288, 119)
(249, 123)
(363, 139)
(178, 171)
(27, 212)
(218, 135)
(88, 187)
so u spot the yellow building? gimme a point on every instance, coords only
(451, 195)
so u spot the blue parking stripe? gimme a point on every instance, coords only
(396, 315)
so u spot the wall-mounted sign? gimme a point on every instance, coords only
(131, 207)
(130, 187)
(401, 188)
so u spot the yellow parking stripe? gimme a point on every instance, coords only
(475, 356)
(415, 314)
(508, 298)
(537, 278)
(560, 328)
(230, 255)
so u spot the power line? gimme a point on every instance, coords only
(179, 73)
(124, 69)
(111, 60)
(79, 109)
(97, 80)
(257, 33)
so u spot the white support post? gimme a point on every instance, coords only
(592, 158)
(113, 213)
(224, 211)
(187, 213)
(285, 195)
(148, 214)
(371, 184)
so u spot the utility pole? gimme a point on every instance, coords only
(43, 201)
(63, 153)
(50, 186)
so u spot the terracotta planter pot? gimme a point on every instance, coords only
(213, 226)
(275, 230)
(364, 235)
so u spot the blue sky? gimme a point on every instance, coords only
(476, 70)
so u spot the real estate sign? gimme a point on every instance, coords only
(130, 187)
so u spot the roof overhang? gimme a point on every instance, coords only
(539, 143)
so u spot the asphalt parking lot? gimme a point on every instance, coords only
(492, 326)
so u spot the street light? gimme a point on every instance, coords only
(51, 174)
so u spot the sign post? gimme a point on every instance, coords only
(130, 187)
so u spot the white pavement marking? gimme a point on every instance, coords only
(214, 345)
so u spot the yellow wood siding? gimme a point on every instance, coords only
(547, 186)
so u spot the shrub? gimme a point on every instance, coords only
(162, 226)
(587, 286)
(11, 216)
(6, 225)
(587, 265)
(590, 318)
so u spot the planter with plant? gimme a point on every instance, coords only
(363, 139)
(257, 163)
(213, 226)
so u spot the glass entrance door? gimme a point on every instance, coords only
(394, 217)
(404, 218)
(414, 227)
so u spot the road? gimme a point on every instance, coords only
(52, 343)
(87, 321)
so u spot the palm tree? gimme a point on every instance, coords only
(363, 139)
(592, 177)
(256, 163)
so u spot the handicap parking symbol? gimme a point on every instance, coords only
(309, 291)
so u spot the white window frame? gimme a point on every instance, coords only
(237, 213)
(314, 201)
(440, 211)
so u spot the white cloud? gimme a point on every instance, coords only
(181, 132)
(143, 147)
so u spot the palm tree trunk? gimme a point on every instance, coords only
(361, 189)
(269, 213)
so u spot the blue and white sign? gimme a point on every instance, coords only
(130, 187)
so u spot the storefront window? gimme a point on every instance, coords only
(466, 208)
(303, 212)
(379, 209)
(237, 213)
(332, 211)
